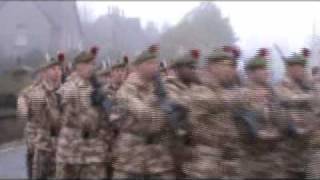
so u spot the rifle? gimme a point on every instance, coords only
(177, 116)
(277, 48)
(248, 118)
(97, 96)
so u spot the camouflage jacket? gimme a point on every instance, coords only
(46, 113)
(82, 137)
(297, 102)
(24, 114)
(267, 118)
(144, 120)
(212, 119)
(116, 114)
(177, 90)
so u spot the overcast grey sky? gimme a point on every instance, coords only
(256, 24)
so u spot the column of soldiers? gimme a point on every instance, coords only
(141, 120)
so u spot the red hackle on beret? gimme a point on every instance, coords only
(94, 50)
(195, 53)
(306, 52)
(263, 52)
(125, 59)
(61, 57)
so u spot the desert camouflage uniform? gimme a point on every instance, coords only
(114, 119)
(24, 114)
(179, 93)
(296, 103)
(216, 144)
(313, 170)
(263, 158)
(81, 148)
(141, 147)
(46, 114)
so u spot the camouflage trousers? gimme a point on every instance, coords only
(296, 156)
(43, 165)
(208, 162)
(143, 161)
(270, 165)
(125, 175)
(313, 167)
(29, 162)
(81, 171)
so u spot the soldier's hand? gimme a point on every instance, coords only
(260, 95)
(268, 135)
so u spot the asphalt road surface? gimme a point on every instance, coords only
(12, 161)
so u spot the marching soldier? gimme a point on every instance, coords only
(178, 86)
(81, 144)
(46, 113)
(24, 114)
(118, 74)
(141, 147)
(214, 137)
(313, 171)
(295, 95)
(263, 154)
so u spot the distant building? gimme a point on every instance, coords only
(46, 26)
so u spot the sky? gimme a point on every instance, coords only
(257, 24)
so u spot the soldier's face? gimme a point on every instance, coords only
(296, 71)
(85, 70)
(117, 75)
(223, 72)
(259, 75)
(54, 73)
(148, 69)
(186, 73)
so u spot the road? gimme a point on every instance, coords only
(12, 161)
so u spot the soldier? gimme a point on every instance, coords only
(214, 136)
(178, 85)
(313, 171)
(44, 107)
(24, 114)
(64, 66)
(118, 73)
(263, 155)
(103, 73)
(141, 147)
(295, 95)
(81, 144)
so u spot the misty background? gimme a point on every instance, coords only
(34, 30)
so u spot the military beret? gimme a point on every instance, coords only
(225, 54)
(85, 57)
(122, 64)
(260, 60)
(47, 64)
(296, 58)
(151, 53)
(61, 57)
(189, 58)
